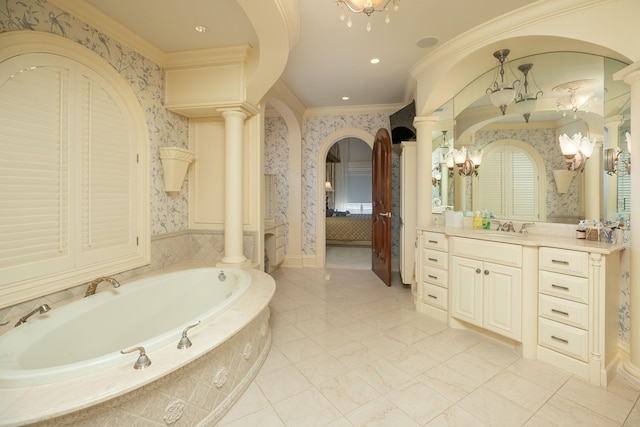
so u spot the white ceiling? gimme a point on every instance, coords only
(329, 60)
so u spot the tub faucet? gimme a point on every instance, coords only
(91, 289)
(42, 309)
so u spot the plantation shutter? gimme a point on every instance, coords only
(34, 193)
(624, 186)
(491, 184)
(524, 186)
(108, 165)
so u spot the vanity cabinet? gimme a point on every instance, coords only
(577, 312)
(433, 275)
(486, 285)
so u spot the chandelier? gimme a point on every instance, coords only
(578, 99)
(466, 162)
(576, 150)
(502, 93)
(527, 102)
(365, 6)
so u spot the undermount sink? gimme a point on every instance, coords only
(503, 234)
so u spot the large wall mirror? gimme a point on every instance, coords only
(517, 178)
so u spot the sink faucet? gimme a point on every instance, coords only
(524, 230)
(91, 289)
(505, 226)
(42, 309)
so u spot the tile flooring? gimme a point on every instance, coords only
(348, 351)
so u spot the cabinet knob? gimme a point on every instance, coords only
(478, 271)
(486, 272)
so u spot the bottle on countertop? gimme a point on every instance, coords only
(486, 222)
(477, 221)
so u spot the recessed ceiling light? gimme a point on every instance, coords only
(345, 98)
(375, 60)
(201, 28)
(428, 41)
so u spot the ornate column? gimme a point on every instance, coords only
(234, 189)
(631, 76)
(593, 184)
(424, 148)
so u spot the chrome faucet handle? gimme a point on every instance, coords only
(497, 221)
(523, 228)
(143, 360)
(185, 342)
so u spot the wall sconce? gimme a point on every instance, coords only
(467, 164)
(527, 102)
(502, 93)
(436, 176)
(612, 160)
(576, 150)
(175, 162)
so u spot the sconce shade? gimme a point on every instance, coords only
(175, 162)
(563, 179)
(576, 150)
(327, 186)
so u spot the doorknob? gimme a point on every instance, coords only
(387, 214)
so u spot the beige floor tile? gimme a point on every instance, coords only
(493, 352)
(382, 375)
(252, 400)
(418, 401)
(540, 373)
(321, 368)
(493, 409)
(307, 409)
(299, 350)
(348, 392)
(282, 383)
(519, 390)
(264, 418)
(412, 361)
(477, 370)
(451, 384)
(354, 355)
(380, 413)
(634, 417)
(597, 399)
(456, 417)
(560, 411)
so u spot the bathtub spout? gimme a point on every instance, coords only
(42, 309)
(91, 289)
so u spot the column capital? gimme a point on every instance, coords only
(245, 108)
(232, 112)
(425, 121)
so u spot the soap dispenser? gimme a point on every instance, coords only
(477, 221)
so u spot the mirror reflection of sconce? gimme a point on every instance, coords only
(467, 164)
(175, 162)
(612, 160)
(436, 175)
(576, 150)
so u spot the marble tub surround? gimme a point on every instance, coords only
(173, 386)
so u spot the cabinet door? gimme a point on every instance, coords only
(466, 290)
(503, 300)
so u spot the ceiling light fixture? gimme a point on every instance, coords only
(201, 28)
(578, 99)
(576, 150)
(345, 98)
(374, 60)
(502, 93)
(527, 102)
(365, 6)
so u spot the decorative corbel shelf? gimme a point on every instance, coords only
(175, 162)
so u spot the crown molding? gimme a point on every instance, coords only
(210, 56)
(354, 109)
(94, 17)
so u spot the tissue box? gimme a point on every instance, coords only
(453, 219)
(593, 233)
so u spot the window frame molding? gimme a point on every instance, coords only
(18, 43)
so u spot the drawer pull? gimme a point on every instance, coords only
(435, 242)
(433, 277)
(564, 313)
(559, 261)
(433, 259)
(562, 340)
(432, 296)
(478, 271)
(564, 288)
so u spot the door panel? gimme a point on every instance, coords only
(381, 198)
(466, 290)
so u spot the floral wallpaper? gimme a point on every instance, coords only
(169, 213)
(276, 159)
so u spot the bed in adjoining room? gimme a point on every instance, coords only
(348, 230)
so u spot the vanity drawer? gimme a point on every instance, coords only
(434, 295)
(436, 241)
(565, 286)
(565, 339)
(435, 276)
(435, 258)
(484, 250)
(564, 261)
(564, 311)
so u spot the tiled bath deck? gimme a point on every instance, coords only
(348, 351)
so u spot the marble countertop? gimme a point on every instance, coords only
(547, 235)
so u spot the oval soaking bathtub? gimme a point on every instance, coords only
(66, 365)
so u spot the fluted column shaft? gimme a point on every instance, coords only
(424, 149)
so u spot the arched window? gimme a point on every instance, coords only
(73, 187)
(509, 183)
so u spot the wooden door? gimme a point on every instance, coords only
(381, 198)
